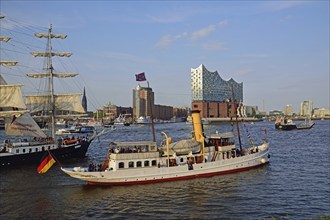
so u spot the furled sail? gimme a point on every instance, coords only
(4, 39)
(47, 35)
(24, 125)
(57, 75)
(63, 102)
(46, 54)
(8, 63)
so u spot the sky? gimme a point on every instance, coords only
(278, 49)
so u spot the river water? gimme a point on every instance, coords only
(294, 185)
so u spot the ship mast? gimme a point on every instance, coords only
(51, 83)
(50, 70)
(236, 114)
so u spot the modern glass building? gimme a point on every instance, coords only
(208, 86)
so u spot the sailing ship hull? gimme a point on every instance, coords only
(163, 174)
(77, 150)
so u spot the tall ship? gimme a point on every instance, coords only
(146, 162)
(32, 143)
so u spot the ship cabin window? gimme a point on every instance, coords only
(17, 151)
(30, 150)
(181, 160)
(146, 163)
(121, 165)
(43, 148)
(36, 149)
(48, 147)
(130, 164)
(154, 163)
(225, 142)
(139, 164)
(24, 150)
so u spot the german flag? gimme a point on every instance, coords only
(46, 163)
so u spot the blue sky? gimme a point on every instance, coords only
(278, 49)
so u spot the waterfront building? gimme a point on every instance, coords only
(321, 112)
(212, 95)
(288, 110)
(144, 103)
(111, 111)
(162, 112)
(251, 111)
(306, 108)
(275, 113)
(180, 112)
(209, 86)
(215, 109)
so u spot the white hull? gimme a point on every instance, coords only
(152, 174)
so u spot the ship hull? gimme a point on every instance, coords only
(164, 174)
(286, 127)
(78, 150)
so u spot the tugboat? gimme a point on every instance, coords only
(145, 162)
(287, 124)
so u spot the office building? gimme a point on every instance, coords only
(143, 101)
(288, 110)
(306, 108)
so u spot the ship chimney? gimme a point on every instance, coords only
(197, 126)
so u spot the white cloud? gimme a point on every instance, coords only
(167, 40)
(204, 32)
(213, 46)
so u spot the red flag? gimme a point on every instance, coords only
(46, 163)
(140, 77)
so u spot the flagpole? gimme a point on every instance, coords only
(151, 116)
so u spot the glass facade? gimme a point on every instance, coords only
(209, 86)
